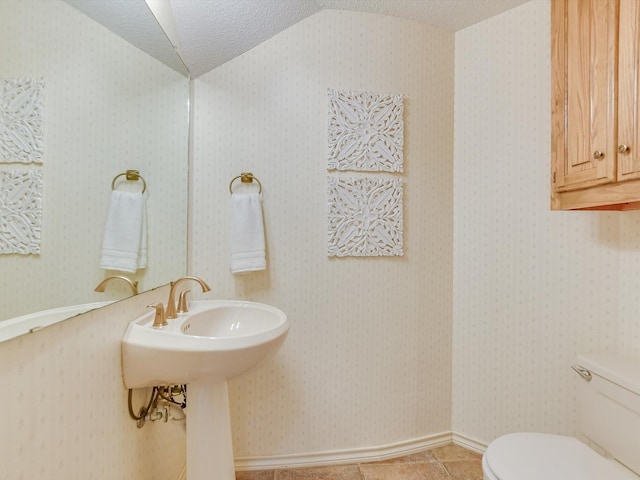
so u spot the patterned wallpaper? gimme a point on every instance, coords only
(629, 328)
(532, 288)
(65, 414)
(367, 360)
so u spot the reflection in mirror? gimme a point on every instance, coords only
(108, 107)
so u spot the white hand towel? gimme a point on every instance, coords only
(142, 251)
(124, 242)
(247, 233)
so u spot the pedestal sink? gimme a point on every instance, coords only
(215, 341)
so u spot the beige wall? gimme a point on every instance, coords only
(532, 288)
(629, 329)
(64, 413)
(368, 358)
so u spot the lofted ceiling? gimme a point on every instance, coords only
(208, 33)
(212, 32)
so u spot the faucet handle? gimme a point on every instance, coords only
(159, 320)
(182, 302)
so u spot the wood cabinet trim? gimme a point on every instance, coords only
(575, 184)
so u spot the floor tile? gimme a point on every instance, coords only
(464, 470)
(257, 475)
(454, 453)
(449, 462)
(404, 471)
(426, 456)
(348, 472)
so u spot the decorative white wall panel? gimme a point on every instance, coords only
(20, 211)
(365, 216)
(21, 120)
(344, 378)
(366, 131)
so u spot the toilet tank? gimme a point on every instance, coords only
(609, 405)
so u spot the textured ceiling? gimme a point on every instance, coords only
(208, 33)
(213, 32)
(133, 21)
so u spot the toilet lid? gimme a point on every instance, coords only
(535, 456)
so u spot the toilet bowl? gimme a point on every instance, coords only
(541, 456)
(609, 408)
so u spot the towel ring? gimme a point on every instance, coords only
(133, 175)
(245, 177)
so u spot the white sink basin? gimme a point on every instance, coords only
(216, 340)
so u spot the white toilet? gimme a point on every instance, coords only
(609, 408)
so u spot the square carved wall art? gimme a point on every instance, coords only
(21, 120)
(365, 217)
(366, 131)
(20, 211)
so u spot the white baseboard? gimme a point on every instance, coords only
(341, 457)
(355, 455)
(469, 443)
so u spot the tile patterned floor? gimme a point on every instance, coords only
(450, 462)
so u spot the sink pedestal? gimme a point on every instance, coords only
(203, 348)
(209, 442)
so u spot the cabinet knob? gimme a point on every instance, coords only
(598, 154)
(623, 148)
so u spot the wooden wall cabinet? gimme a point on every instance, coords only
(595, 75)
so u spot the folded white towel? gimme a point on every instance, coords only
(124, 244)
(142, 252)
(247, 233)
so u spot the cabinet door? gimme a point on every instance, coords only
(628, 83)
(584, 73)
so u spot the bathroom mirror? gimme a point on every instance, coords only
(108, 107)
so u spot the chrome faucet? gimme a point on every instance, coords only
(171, 303)
(132, 284)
